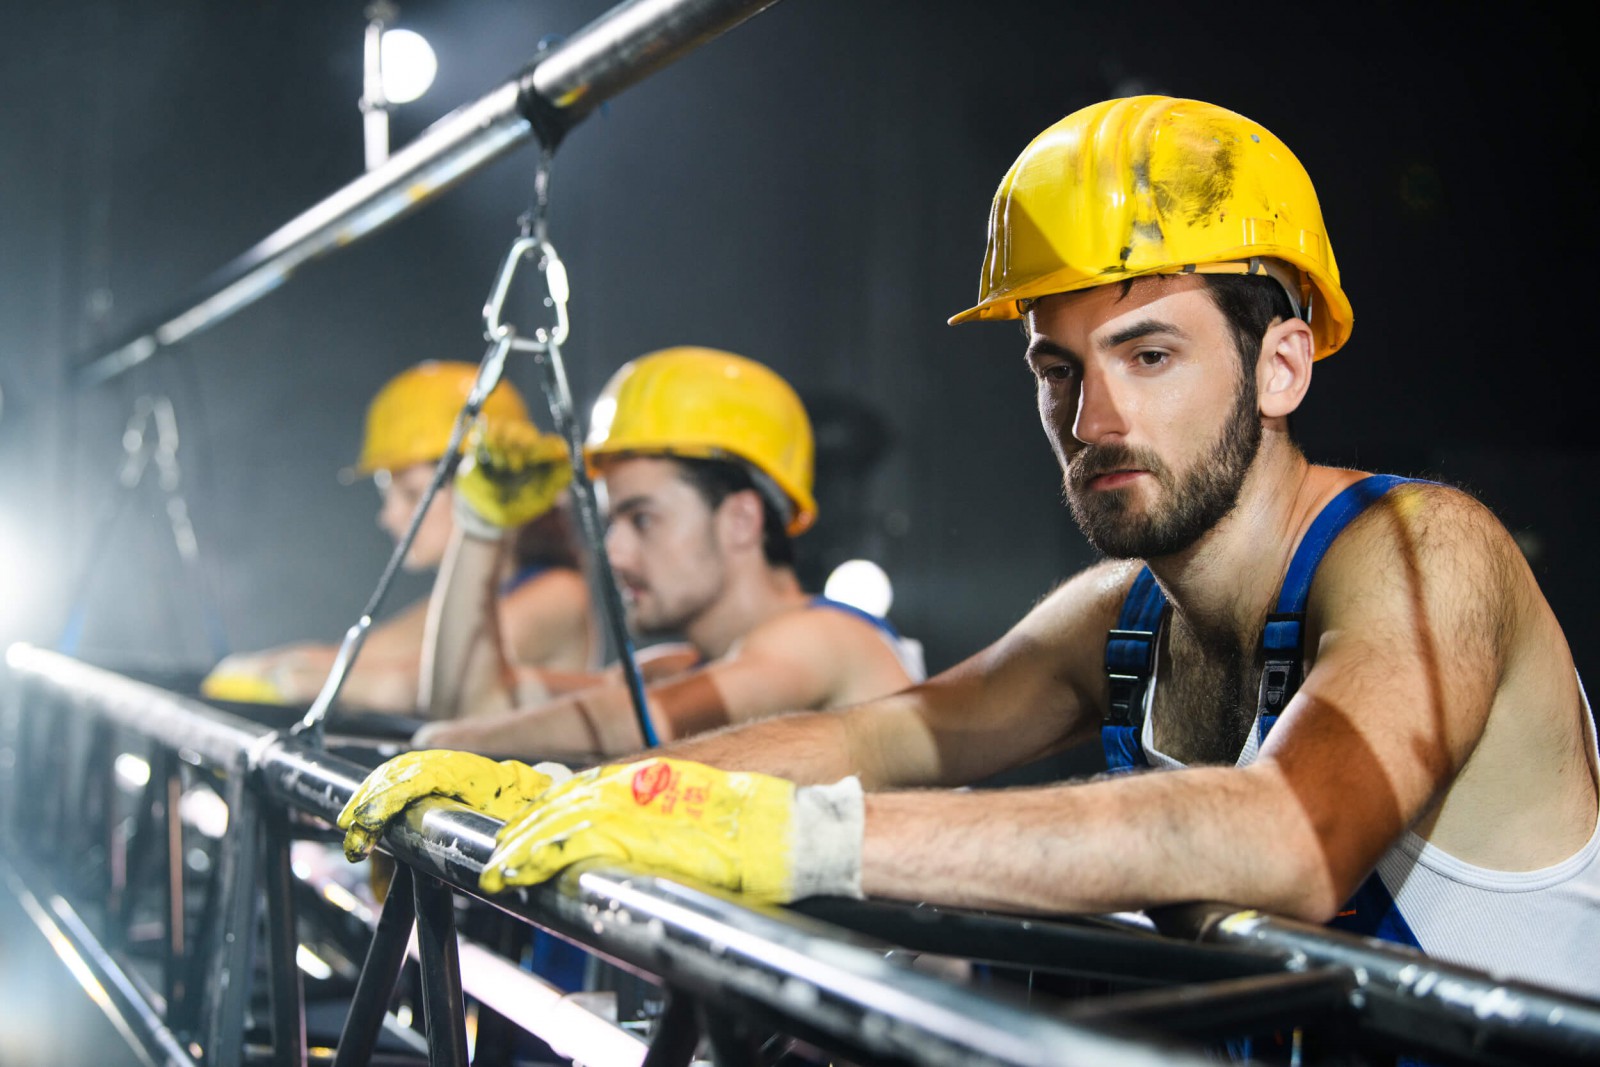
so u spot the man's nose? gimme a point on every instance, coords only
(388, 514)
(619, 549)
(1102, 415)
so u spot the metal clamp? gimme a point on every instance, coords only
(557, 293)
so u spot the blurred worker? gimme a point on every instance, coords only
(706, 459)
(1365, 708)
(543, 617)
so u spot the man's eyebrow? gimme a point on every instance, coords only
(1043, 346)
(1144, 328)
(632, 503)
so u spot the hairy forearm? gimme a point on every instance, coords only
(806, 747)
(595, 722)
(464, 669)
(1206, 834)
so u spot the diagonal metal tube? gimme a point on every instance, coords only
(556, 92)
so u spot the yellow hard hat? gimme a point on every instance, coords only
(410, 419)
(1152, 185)
(701, 403)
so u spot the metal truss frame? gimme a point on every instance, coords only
(737, 981)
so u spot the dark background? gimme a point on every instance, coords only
(810, 190)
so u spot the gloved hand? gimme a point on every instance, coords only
(241, 688)
(245, 677)
(745, 832)
(511, 475)
(501, 790)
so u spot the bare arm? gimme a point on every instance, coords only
(384, 677)
(1034, 692)
(464, 669)
(1412, 610)
(797, 660)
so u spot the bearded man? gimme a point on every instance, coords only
(1363, 707)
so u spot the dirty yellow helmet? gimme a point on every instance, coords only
(410, 419)
(701, 403)
(1152, 185)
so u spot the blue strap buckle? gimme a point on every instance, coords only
(1129, 654)
(1280, 671)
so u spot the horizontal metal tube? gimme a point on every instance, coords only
(793, 965)
(1236, 1006)
(1077, 946)
(627, 44)
(621, 47)
(721, 949)
(197, 732)
(1406, 988)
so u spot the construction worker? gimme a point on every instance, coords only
(543, 619)
(706, 459)
(1362, 706)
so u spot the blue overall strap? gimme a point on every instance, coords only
(865, 616)
(1371, 912)
(1282, 639)
(522, 576)
(1130, 663)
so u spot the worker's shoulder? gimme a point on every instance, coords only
(1421, 522)
(551, 583)
(1423, 539)
(816, 621)
(1091, 598)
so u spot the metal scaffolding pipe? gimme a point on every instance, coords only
(777, 964)
(1465, 1009)
(767, 962)
(556, 92)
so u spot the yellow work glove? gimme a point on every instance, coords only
(511, 475)
(500, 790)
(241, 687)
(749, 833)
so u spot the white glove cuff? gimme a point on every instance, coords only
(474, 525)
(558, 772)
(828, 825)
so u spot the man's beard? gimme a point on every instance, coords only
(1186, 509)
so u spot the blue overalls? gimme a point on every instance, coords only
(1130, 663)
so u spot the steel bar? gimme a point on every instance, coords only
(385, 956)
(441, 973)
(563, 86)
(101, 977)
(229, 941)
(732, 1041)
(713, 947)
(174, 920)
(283, 944)
(1416, 998)
(1224, 1009)
(773, 962)
(677, 1033)
(1084, 948)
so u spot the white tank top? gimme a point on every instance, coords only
(1538, 926)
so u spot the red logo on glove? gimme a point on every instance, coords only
(650, 781)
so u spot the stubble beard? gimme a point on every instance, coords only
(1187, 508)
(672, 617)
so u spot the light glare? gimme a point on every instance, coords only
(408, 66)
(132, 772)
(862, 584)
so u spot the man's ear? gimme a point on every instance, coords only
(1283, 373)
(739, 520)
